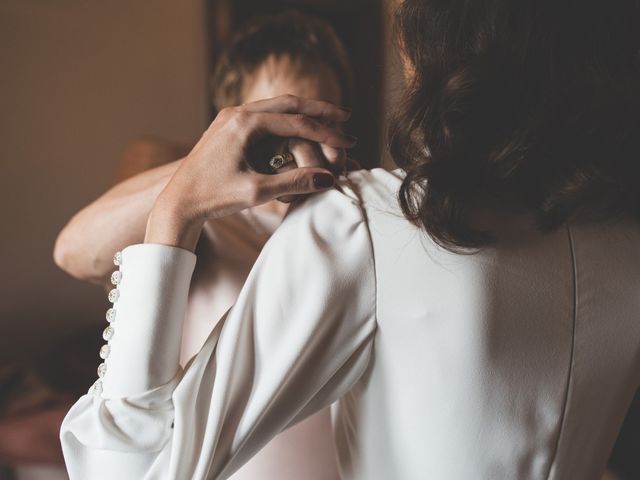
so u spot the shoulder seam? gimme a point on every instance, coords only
(567, 394)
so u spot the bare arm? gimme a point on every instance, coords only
(85, 246)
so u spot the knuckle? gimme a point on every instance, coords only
(230, 115)
(225, 113)
(242, 116)
(241, 120)
(304, 122)
(300, 181)
(291, 102)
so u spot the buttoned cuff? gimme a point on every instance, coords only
(145, 323)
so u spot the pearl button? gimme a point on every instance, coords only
(117, 259)
(114, 295)
(102, 370)
(116, 277)
(111, 315)
(108, 332)
(105, 350)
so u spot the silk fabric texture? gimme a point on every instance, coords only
(516, 362)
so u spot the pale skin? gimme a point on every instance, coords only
(118, 218)
(197, 192)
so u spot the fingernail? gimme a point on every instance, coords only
(346, 109)
(351, 138)
(323, 180)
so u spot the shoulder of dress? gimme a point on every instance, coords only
(348, 206)
(375, 189)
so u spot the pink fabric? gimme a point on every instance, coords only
(227, 250)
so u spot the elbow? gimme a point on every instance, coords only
(64, 253)
(68, 256)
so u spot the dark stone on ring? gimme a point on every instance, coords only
(280, 160)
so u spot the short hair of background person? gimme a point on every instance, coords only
(534, 110)
(305, 39)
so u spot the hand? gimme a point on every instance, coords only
(215, 179)
(310, 154)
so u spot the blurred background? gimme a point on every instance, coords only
(80, 83)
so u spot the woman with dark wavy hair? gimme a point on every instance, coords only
(473, 314)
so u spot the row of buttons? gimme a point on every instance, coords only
(107, 334)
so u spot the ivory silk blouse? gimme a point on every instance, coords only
(517, 362)
(228, 248)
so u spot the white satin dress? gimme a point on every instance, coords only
(517, 362)
(227, 250)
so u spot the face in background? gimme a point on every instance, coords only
(284, 75)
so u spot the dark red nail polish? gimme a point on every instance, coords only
(346, 109)
(323, 180)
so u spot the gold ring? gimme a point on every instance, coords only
(280, 160)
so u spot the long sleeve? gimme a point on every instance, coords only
(298, 338)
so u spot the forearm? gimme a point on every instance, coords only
(85, 247)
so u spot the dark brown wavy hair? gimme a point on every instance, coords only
(532, 106)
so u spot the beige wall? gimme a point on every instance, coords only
(77, 79)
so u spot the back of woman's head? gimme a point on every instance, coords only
(531, 106)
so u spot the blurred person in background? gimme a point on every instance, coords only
(286, 53)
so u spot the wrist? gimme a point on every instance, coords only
(170, 224)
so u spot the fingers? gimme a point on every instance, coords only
(292, 104)
(298, 181)
(306, 154)
(309, 154)
(335, 158)
(294, 126)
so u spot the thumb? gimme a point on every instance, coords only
(298, 181)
